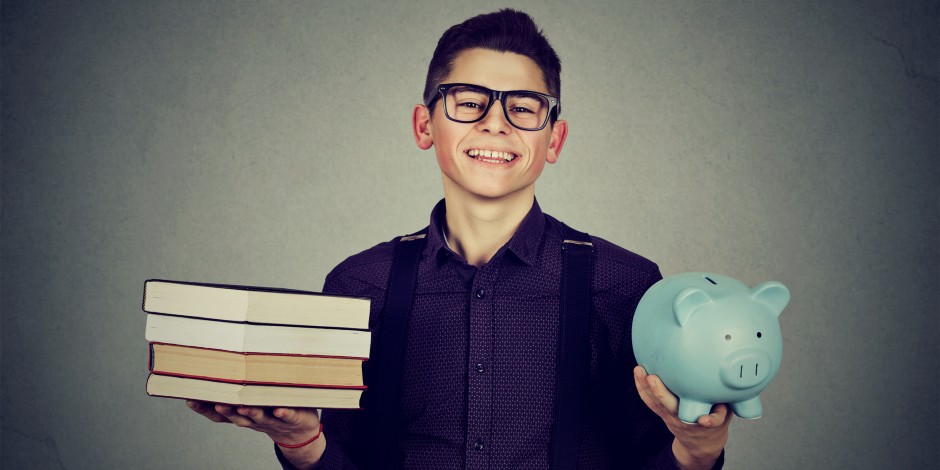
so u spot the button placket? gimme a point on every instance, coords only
(479, 398)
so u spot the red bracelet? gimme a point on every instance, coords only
(308, 441)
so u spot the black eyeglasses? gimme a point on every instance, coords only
(526, 110)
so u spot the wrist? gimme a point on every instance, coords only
(689, 460)
(303, 443)
(303, 457)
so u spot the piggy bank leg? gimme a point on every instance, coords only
(690, 410)
(750, 409)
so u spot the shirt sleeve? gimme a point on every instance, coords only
(333, 458)
(655, 434)
(665, 460)
(345, 430)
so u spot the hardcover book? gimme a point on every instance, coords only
(252, 395)
(255, 304)
(255, 368)
(247, 337)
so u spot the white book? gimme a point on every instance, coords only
(252, 395)
(255, 304)
(246, 337)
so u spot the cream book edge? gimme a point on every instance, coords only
(243, 337)
(294, 370)
(252, 395)
(255, 304)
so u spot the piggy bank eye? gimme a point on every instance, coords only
(758, 334)
(727, 337)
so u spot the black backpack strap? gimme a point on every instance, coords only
(384, 403)
(574, 354)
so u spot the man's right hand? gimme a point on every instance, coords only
(283, 425)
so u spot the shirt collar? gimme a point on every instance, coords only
(523, 244)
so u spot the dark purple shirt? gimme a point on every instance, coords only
(479, 374)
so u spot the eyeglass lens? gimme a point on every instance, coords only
(523, 109)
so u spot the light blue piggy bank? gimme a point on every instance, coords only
(711, 339)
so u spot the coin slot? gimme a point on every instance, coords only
(710, 280)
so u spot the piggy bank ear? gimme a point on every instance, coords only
(772, 293)
(689, 300)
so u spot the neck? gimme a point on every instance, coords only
(478, 227)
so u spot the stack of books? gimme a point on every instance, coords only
(255, 346)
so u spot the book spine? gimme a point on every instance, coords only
(143, 300)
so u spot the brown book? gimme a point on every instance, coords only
(252, 395)
(255, 368)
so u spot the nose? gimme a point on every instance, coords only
(745, 368)
(495, 120)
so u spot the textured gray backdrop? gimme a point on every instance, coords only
(262, 142)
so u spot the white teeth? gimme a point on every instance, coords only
(491, 154)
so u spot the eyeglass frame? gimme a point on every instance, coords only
(554, 104)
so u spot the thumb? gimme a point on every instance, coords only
(719, 416)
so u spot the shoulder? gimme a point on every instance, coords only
(363, 271)
(616, 268)
(613, 256)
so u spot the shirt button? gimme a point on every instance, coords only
(481, 293)
(480, 368)
(478, 445)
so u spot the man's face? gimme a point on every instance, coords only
(461, 147)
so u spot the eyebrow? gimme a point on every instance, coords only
(472, 87)
(469, 88)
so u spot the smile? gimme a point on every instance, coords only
(491, 156)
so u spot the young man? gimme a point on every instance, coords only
(479, 370)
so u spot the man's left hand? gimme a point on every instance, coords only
(696, 445)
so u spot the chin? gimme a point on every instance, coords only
(494, 194)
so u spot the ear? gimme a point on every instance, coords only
(559, 134)
(772, 293)
(687, 302)
(421, 126)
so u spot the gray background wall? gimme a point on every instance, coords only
(262, 142)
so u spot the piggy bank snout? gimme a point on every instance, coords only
(746, 368)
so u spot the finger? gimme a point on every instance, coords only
(206, 410)
(229, 412)
(254, 413)
(293, 416)
(640, 379)
(662, 394)
(642, 386)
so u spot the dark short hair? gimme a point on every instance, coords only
(505, 30)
